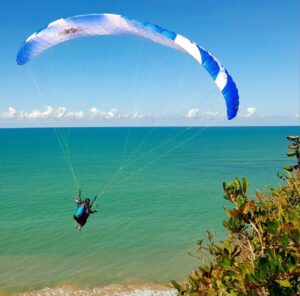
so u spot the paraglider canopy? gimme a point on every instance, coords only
(66, 29)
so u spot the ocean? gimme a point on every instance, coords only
(159, 190)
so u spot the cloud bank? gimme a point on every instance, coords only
(61, 116)
(60, 113)
(51, 113)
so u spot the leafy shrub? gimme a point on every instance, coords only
(261, 252)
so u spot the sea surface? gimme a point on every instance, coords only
(159, 190)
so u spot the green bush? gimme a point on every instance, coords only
(261, 252)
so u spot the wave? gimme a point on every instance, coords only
(110, 290)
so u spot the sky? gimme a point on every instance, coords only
(129, 81)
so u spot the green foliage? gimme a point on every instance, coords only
(261, 252)
(294, 147)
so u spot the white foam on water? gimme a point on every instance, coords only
(111, 290)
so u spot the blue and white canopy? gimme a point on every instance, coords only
(66, 29)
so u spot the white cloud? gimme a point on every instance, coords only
(10, 113)
(192, 113)
(77, 115)
(212, 114)
(195, 113)
(137, 115)
(250, 112)
(96, 112)
(37, 114)
(60, 112)
(48, 113)
(114, 113)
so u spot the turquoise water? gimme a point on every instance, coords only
(162, 190)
